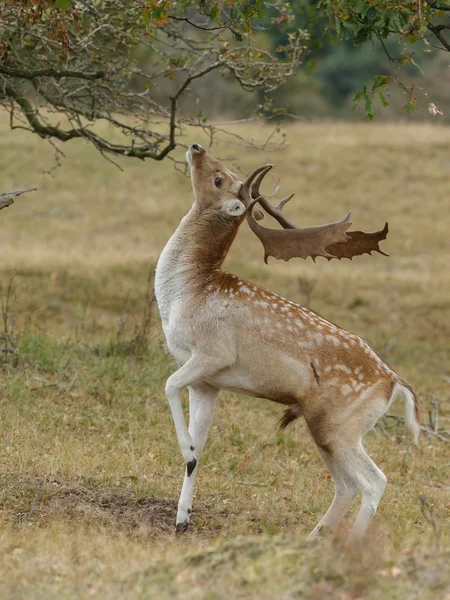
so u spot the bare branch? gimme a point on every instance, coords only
(7, 198)
(100, 143)
(436, 29)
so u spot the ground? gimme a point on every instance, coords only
(90, 467)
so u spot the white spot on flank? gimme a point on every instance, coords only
(245, 289)
(299, 324)
(261, 303)
(346, 389)
(343, 368)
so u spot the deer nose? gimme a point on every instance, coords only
(197, 148)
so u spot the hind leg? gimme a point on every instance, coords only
(371, 483)
(338, 436)
(345, 489)
(353, 471)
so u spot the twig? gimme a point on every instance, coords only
(434, 413)
(442, 434)
(41, 387)
(382, 428)
(428, 514)
(33, 506)
(252, 483)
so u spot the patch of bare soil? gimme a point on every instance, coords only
(40, 500)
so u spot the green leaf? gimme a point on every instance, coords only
(379, 81)
(62, 4)
(369, 108)
(214, 12)
(410, 107)
(382, 99)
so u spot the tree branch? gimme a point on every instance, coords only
(436, 29)
(8, 198)
(54, 73)
(142, 151)
(446, 8)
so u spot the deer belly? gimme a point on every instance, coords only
(235, 380)
(261, 378)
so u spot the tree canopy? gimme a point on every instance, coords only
(151, 69)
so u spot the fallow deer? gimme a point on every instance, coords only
(227, 333)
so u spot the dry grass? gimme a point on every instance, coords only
(90, 464)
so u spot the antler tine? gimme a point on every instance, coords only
(246, 195)
(281, 204)
(275, 211)
(255, 193)
(262, 172)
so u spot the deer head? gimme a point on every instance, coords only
(216, 188)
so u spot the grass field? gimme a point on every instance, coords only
(90, 467)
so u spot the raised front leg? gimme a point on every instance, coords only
(202, 399)
(195, 370)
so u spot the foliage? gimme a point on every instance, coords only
(82, 58)
(151, 69)
(376, 21)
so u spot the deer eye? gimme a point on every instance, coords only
(218, 181)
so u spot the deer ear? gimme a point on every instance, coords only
(234, 208)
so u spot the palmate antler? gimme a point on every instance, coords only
(331, 240)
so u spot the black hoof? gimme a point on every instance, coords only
(181, 527)
(191, 466)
